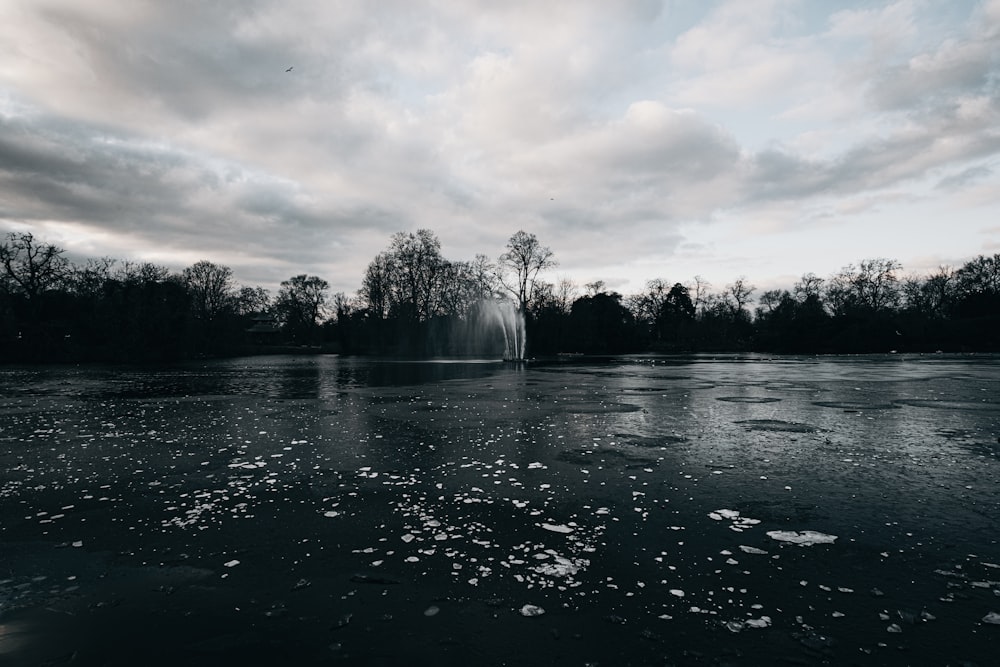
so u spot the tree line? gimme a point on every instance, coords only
(414, 301)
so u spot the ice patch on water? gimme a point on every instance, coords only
(530, 610)
(751, 550)
(557, 528)
(805, 538)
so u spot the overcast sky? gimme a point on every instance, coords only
(638, 139)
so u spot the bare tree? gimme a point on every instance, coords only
(700, 292)
(520, 265)
(770, 300)
(301, 303)
(980, 276)
(375, 289)
(30, 267)
(211, 288)
(565, 293)
(484, 276)
(809, 285)
(872, 285)
(740, 292)
(595, 288)
(250, 300)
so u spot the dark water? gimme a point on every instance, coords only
(338, 511)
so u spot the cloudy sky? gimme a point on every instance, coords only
(638, 139)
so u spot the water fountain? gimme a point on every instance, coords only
(499, 323)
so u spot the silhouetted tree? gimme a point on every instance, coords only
(211, 289)
(29, 267)
(300, 305)
(979, 286)
(601, 324)
(870, 286)
(520, 265)
(252, 300)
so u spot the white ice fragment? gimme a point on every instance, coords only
(676, 591)
(894, 628)
(232, 563)
(557, 528)
(992, 618)
(331, 513)
(431, 611)
(78, 543)
(408, 537)
(762, 622)
(531, 610)
(751, 550)
(805, 538)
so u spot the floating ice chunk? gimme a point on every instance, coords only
(561, 567)
(408, 537)
(762, 622)
(677, 592)
(331, 513)
(805, 538)
(232, 563)
(557, 528)
(432, 611)
(78, 543)
(751, 550)
(992, 618)
(531, 610)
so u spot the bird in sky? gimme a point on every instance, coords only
(289, 69)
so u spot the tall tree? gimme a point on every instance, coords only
(738, 295)
(211, 288)
(520, 265)
(415, 273)
(300, 304)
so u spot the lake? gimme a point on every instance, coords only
(739, 510)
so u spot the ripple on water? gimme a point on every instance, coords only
(748, 399)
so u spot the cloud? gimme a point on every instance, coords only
(614, 131)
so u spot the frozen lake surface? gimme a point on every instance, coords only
(631, 511)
